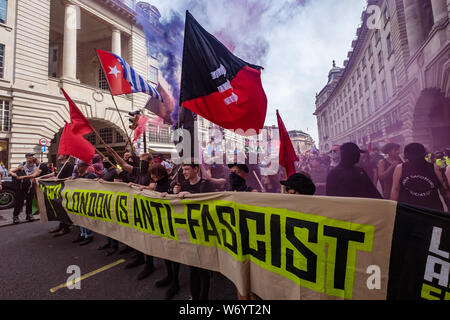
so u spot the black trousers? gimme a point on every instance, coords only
(24, 195)
(199, 283)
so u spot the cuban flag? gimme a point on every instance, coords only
(122, 78)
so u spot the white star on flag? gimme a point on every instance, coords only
(114, 71)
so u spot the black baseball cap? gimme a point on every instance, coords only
(351, 148)
(300, 183)
(242, 167)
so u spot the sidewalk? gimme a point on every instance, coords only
(6, 217)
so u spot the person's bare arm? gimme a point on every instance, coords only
(125, 166)
(395, 192)
(441, 179)
(384, 172)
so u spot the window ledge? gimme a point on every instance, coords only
(6, 27)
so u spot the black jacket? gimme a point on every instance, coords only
(351, 182)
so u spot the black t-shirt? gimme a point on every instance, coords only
(350, 182)
(203, 186)
(139, 178)
(66, 171)
(110, 175)
(163, 186)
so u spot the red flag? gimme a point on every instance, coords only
(72, 141)
(219, 86)
(287, 155)
(140, 128)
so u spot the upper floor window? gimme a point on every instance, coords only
(3, 7)
(377, 36)
(153, 76)
(4, 116)
(380, 60)
(394, 78)
(2, 61)
(102, 80)
(386, 15)
(389, 44)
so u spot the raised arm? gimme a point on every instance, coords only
(125, 166)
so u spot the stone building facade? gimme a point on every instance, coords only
(394, 86)
(46, 45)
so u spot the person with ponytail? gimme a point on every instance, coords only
(417, 182)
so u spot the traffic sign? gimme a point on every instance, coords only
(43, 141)
(43, 149)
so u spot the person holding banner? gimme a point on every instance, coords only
(299, 183)
(64, 172)
(199, 278)
(160, 176)
(86, 236)
(418, 182)
(238, 178)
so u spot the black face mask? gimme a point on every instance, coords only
(143, 166)
(236, 182)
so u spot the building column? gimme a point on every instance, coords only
(116, 45)
(70, 42)
(439, 10)
(414, 27)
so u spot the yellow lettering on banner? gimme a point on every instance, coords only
(313, 251)
(427, 291)
(122, 216)
(92, 204)
(153, 216)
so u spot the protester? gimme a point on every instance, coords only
(97, 165)
(271, 184)
(110, 174)
(86, 236)
(139, 177)
(375, 158)
(299, 183)
(199, 278)
(160, 176)
(318, 174)
(335, 155)
(417, 182)
(348, 180)
(23, 177)
(64, 172)
(238, 178)
(387, 166)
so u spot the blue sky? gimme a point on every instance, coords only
(294, 40)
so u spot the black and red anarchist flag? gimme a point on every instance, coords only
(219, 86)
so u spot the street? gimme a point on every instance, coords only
(34, 262)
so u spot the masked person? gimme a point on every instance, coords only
(348, 180)
(160, 176)
(139, 177)
(417, 182)
(299, 183)
(238, 178)
(23, 177)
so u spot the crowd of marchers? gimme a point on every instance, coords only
(413, 177)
